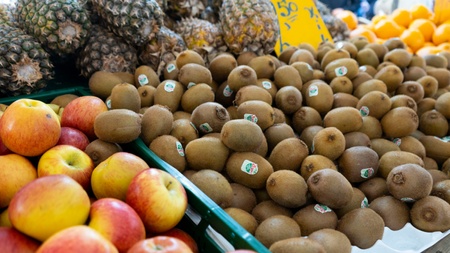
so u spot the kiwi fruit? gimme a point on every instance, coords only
(373, 188)
(360, 78)
(196, 95)
(221, 66)
(417, 61)
(411, 88)
(63, 100)
(355, 139)
(319, 96)
(395, 213)
(243, 218)
(241, 135)
(412, 145)
(399, 56)
(368, 86)
(446, 166)
(358, 200)
(184, 131)
(436, 61)
(263, 65)
(394, 43)
(442, 105)
(413, 73)
(224, 95)
(288, 99)
(368, 69)
(145, 75)
(346, 119)
(102, 82)
(429, 84)
(341, 99)
(394, 128)
(279, 181)
(302, 55)
(442, 76)
(243, 197)
(221, 193)
(329, 187)
(125, 96)
(363, 227)
(294, 244)
(170, 150)
(181, 115)
(382, 146)
(437, 175)
(206, 153)
(248, 169)
(169, 93)
(209, 117)
(348, 46)
(391, 75)
(268, 208)
(359, 41)
(431, 214)
(288, 154)
(329, 142)
(278, 132)
(342, 84)
(244, 57)
(156, 121)
(287, 75)
(394, 158)
(358, 163)
(118, 126)
(252, 92)
(341, 67)
(189, 56)
(170, 71)
(430, 164)
(404, 180)
(309, 47)
(333, 54)
(401, 100)
(436, 148)
(258, 112)
(241, 76)
(332, 240)
(371, 127)
(313, 163)
(305, 70)
(268, 85)
(280, 117)
(99, 150)
(441, 189)
(277, 228)
(286, 54)
(146, 95)
(367, 56)
(192, 73)
(424, 105)
(314, 217)
(304, 117)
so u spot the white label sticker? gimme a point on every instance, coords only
(251, 117)
(206, 128)
(313, 90)
(227, 92)
(249, 167)
(171, 67)
(322, 208)
(142, 79)
(364, 203)
(367, 172)
(340, 71)
(364, 111)
(397, 141)
(180, 148)
(190, 84)
(266, 84)
(108, 103)
(169, 86)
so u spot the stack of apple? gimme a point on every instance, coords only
(54, 198)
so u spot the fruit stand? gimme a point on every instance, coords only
(214, 127)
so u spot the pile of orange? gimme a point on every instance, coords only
(417, 27)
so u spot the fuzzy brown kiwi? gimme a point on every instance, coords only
(252, 92)
(181, 115)
(268, 208)
(413, 73)
(382, 146)
(288, 154)
(145, 75)
(392, 159)
(446, 55)
(221, 66)
(314, 217)
(209, 117)
(341, 99)
(341, 84)
(329, 142)
(334, 54)
(329, 187)
(241, 135)
(286, 54)
(170, 150)
(288, 99)
(438, 176)
(446, 166)
(146, 95)
(308, 133)
(358, 164)
(368, 86)
(192, 73)
(404, 180)
(346, 119)
(102, 82)
(395, 213)
(287, 75)
(367, 56)
(279, 181)
(127, 77)
(206, 153)
(99, 150)
(313, 163)
(360, 78)
(441, 189)
(232, 111)
(224, 95)
(169, 93)
(354, 139)
(63, 100)
(358, 200)
(196, 95)
(221, 193)
(429, 163)
(278, 132)
(243, 197)
(431, 214)
(118, 126)
(322, 51)
(245, 57)
(257, 111)
(417, 61)
(292, 244)
(305, 70)
(268, 85)
(373, 188)
(248, 169)
(309, 47)
(442, 105)
(411, 88)
(368, 69)
(305, 86)
(241, 76)
(348, 46)
(341, 67)
(156, 121)
(429, 84)
(263, 65)
(280, 116)
(171, 71)
(184, 131)
(320, 97)
(385, 64)
(391, 75)
(332, 240)
(371, 127)
(189, 56)
(402, 100)
(125, 96)
(360, 42)
(442, 76)
(243, 218)
(425, 105)
(436, 61)
(412, 145)
(379, 49)
(436, 148)
(393, 43)
(394, 128)
(302, 55)
(276, 228)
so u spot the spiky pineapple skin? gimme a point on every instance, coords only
(249, 25)
(61, 26)
(106, 51)
(137, 21)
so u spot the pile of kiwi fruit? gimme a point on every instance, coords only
(321, 148)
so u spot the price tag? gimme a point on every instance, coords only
(441, 11)
(300, 21)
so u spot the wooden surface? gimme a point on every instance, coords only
(442, 246)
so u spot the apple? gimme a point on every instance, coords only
(15, 172)
(29, 127)
(159, 199)
(4, 219)
(242, 251)
(160, 244)
(47, 205)
(77, 239)
(184, 236)
(74, 137)
(80, 113)
(110, 178)
(68, 160)
(12, 240)
(117, 222)
(3, 149)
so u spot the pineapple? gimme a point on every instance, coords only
(106, 51)
(5, 14)
(24, 66)
(137, 21)
(61, 26)
(336, 27)
(249, 25)
(178, 9)
(161, 49)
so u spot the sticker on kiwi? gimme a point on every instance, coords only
(340, 71)
(190, 84)
(249, 167)
(227, 92)
(266, 84)
(446, 139)
(313, 90)
(169, 86)
(321, 208)
(364, 203)
(171, 67)
(179, 148)
(397, 141)
(367, 172)
(142, 79)
(408, 200)
(108, 103)
(206, 128)
(363, 68)
(339, 45)
(251, 117)
(364, 111)
(195, 128)
(309, 66)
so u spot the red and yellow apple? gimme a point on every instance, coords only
(67, 160)
(47, 205)
(12, 240)
(29, 127)
(3, 149)
(117, 222)
(4, 219)
(77, 239)
(160, 244)
(159, 199)
(184, 236)
(74, 137)
(15, 172)
(80, 113)
(110, 178)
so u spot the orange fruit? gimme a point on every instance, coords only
(444, 46)
(365, 32)
(413, 39)
(425, 26)
(427, 50)
(401, 16)
(378, 18)
(387, 28)
(441, 34)
(349, 18)
(420, 11)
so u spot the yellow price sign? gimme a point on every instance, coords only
(299, 22)
(441, 11)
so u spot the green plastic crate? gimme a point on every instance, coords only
(212, 228)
